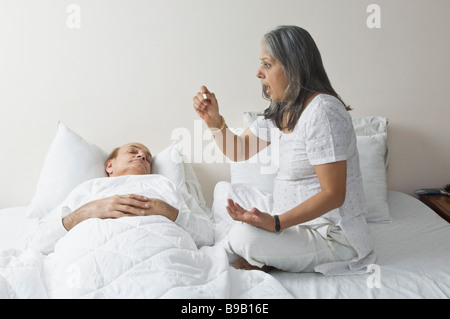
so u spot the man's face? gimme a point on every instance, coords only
(131, 159)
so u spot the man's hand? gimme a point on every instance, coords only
(253, 217)
(120, 206)
(159, 207)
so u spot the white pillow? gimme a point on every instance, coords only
(371, 125)
(258, 170)
(371, 135)
(169, 163)
(69, 162)
(372, 152)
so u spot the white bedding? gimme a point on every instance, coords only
(130, 257)
(413, 258)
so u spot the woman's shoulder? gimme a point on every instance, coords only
(325, 105)
(325, 109)
(326, 101)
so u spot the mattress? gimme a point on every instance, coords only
(413, 256)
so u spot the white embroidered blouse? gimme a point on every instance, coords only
(323, 134)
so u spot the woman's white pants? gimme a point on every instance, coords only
(296, 249)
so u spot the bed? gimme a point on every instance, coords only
(412, 242)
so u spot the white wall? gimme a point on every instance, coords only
(130, 72)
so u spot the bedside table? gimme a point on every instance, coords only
(439, 203)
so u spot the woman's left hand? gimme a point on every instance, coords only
(253, 217)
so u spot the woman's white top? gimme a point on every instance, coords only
(323, 134)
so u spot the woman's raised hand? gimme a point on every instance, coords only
(206, 106)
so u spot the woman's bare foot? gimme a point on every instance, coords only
(245, 265)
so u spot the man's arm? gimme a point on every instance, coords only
(110, 207)
(56, 224)
(159, 207)
(50, 229)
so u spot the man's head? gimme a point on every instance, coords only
(130, 159)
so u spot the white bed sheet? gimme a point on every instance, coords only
(413, 259)
(14, 227)
(413, 256)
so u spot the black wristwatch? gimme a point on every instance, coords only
(277, 223)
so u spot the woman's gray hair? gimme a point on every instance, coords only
(300, 58)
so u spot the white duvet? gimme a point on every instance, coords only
(132, 257)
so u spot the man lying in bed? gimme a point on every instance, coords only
(105, 200)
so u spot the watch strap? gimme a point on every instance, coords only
(277, 223)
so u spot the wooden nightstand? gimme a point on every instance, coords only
(439, 203)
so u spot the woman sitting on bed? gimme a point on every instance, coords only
(317, 223)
